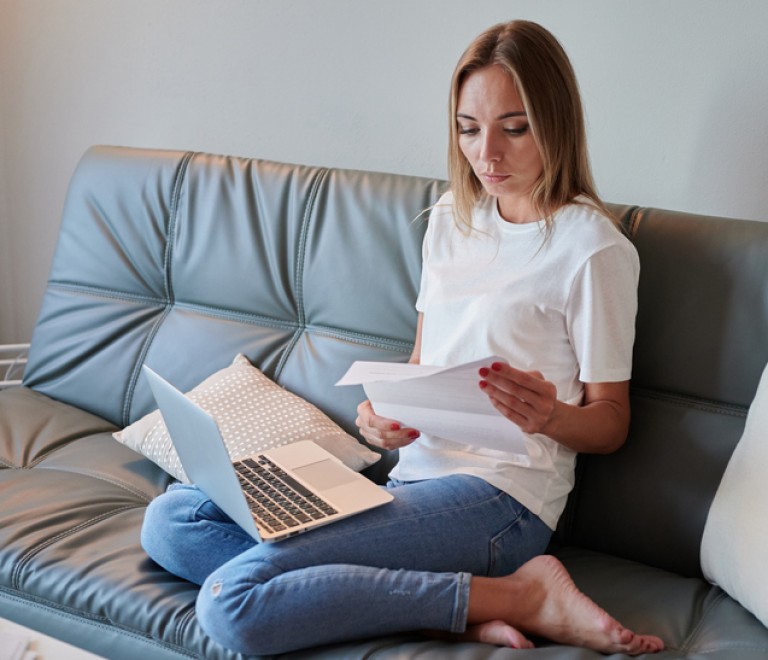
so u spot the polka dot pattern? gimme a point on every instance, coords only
(254, 414)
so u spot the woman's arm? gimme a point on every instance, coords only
(416, 352)
(383, 432)
(599, 425)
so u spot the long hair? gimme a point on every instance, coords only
(547, 85)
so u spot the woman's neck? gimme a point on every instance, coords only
(519, 210)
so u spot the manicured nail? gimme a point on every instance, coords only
(483, 384)
(484, 371)
(496, 366)
(395, 427)
(413, 434)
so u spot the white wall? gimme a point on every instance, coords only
(6, 288)
(676, 96)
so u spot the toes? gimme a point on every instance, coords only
(644, 644)
(624, 637)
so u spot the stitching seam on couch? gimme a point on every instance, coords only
(99, 622)
(16, 575)
(361, 338)
(111, 294)
(161, 304)
(37, 463)
(65, 442)
(299, 274)
(689, 645)
(687, 642)
(242, 317)
(706, 405)
(93, 475)
(178, 184)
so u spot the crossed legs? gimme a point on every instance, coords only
(246, 586)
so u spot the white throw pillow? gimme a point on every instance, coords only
(733, 548)
(254, 414)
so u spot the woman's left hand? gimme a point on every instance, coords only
(524, 397)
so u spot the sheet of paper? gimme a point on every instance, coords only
(441, 401)
(13, 646)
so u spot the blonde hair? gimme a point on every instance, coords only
(547, 85)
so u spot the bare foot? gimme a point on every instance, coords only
(498, 633)
(544, 601)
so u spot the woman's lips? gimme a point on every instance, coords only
(494, 178)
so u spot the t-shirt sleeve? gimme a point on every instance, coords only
(601, 314)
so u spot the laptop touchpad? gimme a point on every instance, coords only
(325, 474)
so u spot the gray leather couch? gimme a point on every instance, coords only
(182, 260)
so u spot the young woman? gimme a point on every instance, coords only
(521, 260)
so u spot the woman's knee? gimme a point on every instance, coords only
(166, 515)
(228, 611)
(189, 536)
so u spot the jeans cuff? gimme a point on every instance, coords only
(461, 604)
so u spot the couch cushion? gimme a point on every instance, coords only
(733, 549)
(254, 414)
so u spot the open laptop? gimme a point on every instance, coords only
(273, 495)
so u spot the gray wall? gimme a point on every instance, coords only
(676, 96)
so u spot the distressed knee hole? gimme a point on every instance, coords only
(216, 588)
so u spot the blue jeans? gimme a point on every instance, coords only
(401, 567)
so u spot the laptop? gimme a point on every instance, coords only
(273, 495)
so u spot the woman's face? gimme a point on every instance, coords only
(496, 138)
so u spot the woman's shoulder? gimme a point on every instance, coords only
(583, 231)
(442, 209)
(583, 218)
(445, 198)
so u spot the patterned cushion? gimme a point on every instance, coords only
(253, 414)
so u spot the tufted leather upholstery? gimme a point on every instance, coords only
(182, 260)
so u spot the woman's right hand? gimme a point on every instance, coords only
(382, 432)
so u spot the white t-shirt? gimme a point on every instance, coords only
(563, 305)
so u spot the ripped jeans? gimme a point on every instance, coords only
(402, 567)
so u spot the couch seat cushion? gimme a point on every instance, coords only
(71, 562)
(695, 619)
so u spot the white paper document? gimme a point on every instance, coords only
(13, 646)
(441, 401)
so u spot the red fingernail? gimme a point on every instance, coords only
(483, 384)
(496, 366)
(413, 434)
(395, 427)
(484, 372)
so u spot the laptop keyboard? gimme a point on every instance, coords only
(278, 502)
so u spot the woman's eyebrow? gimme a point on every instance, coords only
(506, 115)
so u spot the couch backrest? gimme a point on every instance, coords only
(182, 260)
(701, 345)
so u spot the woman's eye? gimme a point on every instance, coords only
(518, 130)
(467, 130)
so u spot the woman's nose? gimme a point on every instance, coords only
(490, 149)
